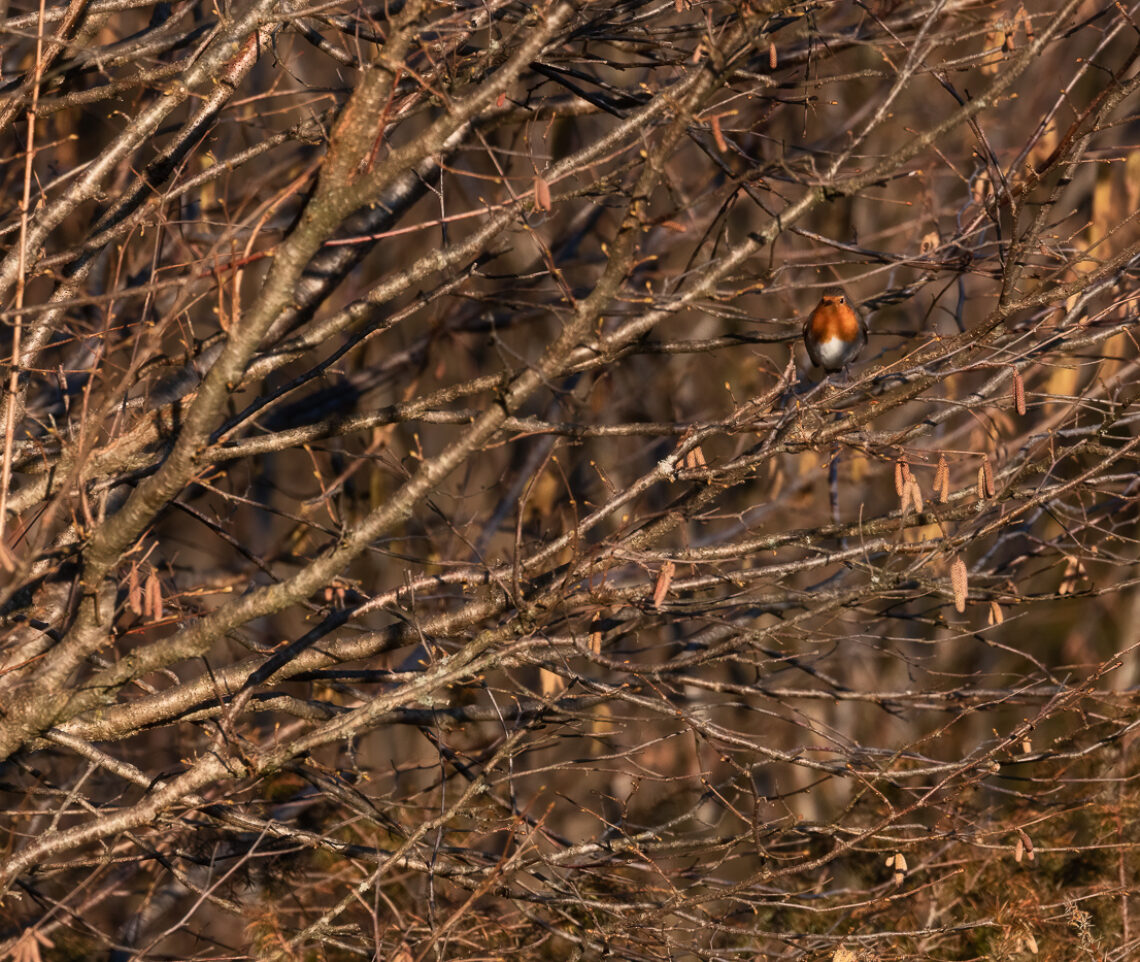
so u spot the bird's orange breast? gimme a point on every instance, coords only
(831, 319)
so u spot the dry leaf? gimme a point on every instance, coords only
(664, 579)
(552, 682)
(542, 194)
(996, 617)
(996, 38)
(1018, 850)
(844, 954)
(959, 584)
(1074, 572)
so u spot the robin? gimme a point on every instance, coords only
(834, 334)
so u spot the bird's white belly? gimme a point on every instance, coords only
(831, 352)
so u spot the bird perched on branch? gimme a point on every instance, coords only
(834, 333)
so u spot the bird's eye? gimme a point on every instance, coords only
(841, 299)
